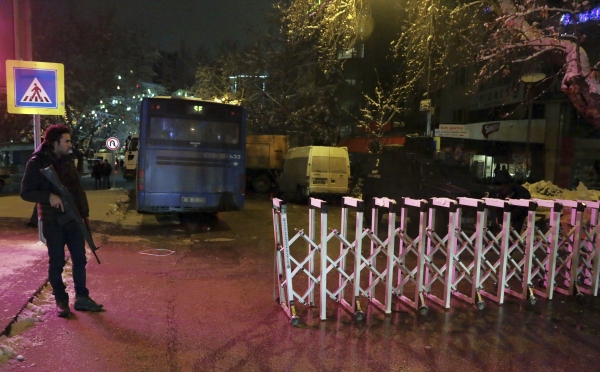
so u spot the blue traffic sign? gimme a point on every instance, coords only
(35, 87)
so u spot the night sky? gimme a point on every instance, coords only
(196, 22)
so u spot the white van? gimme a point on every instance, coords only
(315, 170)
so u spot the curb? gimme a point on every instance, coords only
(19, 295)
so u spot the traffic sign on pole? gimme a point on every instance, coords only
(112, 143)
(35, 88)
(425, 105)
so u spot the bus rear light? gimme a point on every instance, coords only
(140, 180)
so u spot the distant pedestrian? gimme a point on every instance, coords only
(504, 175)
(518, 214)
(106, 171)
(59, 228)
(97, 174)
(497, 173)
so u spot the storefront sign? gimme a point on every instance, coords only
(452, 130)
(490, 128)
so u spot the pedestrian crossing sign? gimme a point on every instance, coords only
(35, 88)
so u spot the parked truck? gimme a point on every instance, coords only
(264, 160)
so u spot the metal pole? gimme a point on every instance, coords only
(37, 141)
(429, 40)
(115, 169)
(37, 135)
(527, 154)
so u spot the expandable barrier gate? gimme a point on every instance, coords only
(433, 250)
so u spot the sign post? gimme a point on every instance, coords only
(112, 143)
(425, 105)
(35, 88)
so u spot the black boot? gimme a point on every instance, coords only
(62, 308)
(86, 304)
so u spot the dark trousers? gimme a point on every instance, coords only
(98, 183)
(106, 182)
(518, 217)
(56, 237)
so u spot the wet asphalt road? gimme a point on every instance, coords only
(210, 306)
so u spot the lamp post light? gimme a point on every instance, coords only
(530, 78)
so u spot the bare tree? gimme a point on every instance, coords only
(532, 31)
(503, 38)
(500, 37)
(382, 109)
(104, 63)
(280, 81)
(332, 24)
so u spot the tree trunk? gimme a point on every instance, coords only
(584, 97)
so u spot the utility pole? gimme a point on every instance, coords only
(429, 41)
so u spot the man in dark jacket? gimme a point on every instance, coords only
(519, 214)
(58, 227)
(97, 174)
(106, 171)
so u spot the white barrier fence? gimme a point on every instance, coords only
(433, 250)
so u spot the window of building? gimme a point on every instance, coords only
(358, 51)
(459, 116)
(460, 77)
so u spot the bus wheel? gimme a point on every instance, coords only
(261, 184)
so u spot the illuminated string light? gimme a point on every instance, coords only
(590, 15)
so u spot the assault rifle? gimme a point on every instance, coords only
(70, 207)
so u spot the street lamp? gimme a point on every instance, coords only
(530, 78)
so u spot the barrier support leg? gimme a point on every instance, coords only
(323, 244)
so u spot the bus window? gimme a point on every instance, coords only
(194, 132)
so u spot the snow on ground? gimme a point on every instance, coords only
(32, 313)
(548, 190)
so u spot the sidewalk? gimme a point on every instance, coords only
(23, 259)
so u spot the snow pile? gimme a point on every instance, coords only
(33, 313)
(7, 348)
(548, 190)
(119, 208)
(27, 318)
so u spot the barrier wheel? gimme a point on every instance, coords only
(423, 310)
(295, 321)
(579, 297)
(359, 316)
(532, 300)
(480, 305)
(278, 301)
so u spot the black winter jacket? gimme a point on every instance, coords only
(36, 188)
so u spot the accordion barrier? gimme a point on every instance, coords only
(433, 250)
